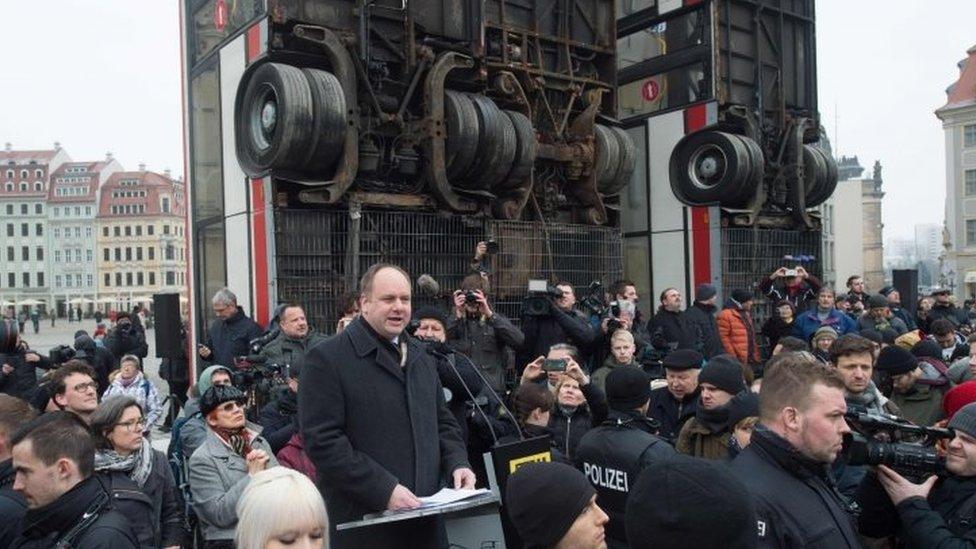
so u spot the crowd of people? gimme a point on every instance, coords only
(696, 427)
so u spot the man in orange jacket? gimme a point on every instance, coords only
(736, 330)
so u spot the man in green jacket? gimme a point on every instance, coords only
(294, 338)
(919, 403)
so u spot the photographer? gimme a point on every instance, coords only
(481, 333)
(231, 333)
(18, 376)
(561, 324)
(293, 340)
(940, 512)
(125, 339)
(796, 286)
(632, 319)
(279, 418)
(99, 358)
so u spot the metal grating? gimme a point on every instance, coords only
(321, 253)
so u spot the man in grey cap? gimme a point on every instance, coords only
(940, 511)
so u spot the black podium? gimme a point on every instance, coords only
(472, 522)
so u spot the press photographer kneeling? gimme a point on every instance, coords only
(938, 512)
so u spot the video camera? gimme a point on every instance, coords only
(61, 354)
(907, 448)
(539, 300)
(592, 299)
(258, 343)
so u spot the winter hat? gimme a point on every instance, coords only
(704, 292)
(84, 346)
(871, 334)
(824, 331)
(886, 290)
(429, 312)
(41, 397)
(965, 419)
(957, 397)
(687, 502)
(888, 336)
(908, 340)
(724, 372)
(740, 296)
(877, 301)
(940, 291)
(927, 349)
(896, 361)
(743, 405)
(683, 359)
(205, 381)
(543, 501)
(219, 394)
(627, 388)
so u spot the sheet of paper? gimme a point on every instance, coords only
(450, 495)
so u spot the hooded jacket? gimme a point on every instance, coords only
(738, 334)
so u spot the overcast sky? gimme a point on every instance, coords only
(104, 75)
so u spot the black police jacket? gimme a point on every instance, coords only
(796, 501)
(612, 455)
(670, 412)
(83, 517)
(946, 520)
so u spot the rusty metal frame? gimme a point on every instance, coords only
(592, 210)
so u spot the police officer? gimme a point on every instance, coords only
(940, 512)
(613, 454)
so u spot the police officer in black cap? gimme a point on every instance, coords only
(671, 406)
(613, 454)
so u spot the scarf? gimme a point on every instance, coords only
(238, 439)
(871, 399)
(137, 465)
(128, 382)
(716, 420)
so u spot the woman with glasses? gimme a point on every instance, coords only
(222, 466)
(131, 382)
(141, 480)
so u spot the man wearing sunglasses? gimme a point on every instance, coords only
(73, 388)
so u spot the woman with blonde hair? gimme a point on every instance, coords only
(281, 507)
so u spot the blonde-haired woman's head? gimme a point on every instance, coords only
(281, 508)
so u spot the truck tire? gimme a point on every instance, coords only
(461, 121)
(627, 160)
(526, 150)
(491, 148)
(494, 174)
(607, 155)
(710, 167)
(329, 119)
(273, 119)
(756, 174)
(827, 176)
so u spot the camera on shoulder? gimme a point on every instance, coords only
(539, 300)
(908, 449)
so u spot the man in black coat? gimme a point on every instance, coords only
(230, 333)
(613, 454)
(125, 339)
(786, 465)
(14, 412)
(375, 422)
(675, 404)
(943, 307)
(669, 329)
(67, 506)
(563, 324)
(701, 319)
(99, 358)
(939, 512)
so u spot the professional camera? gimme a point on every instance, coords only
(539, 300)
(61, 354)
(491, 246)
(470, 297)
(905, 447)
(259, 380)
(592, 299)
(258, 343)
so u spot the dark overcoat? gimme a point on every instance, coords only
(369, 424)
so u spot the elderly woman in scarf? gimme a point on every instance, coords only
(121, 449)
(131, 382)
(222, 466)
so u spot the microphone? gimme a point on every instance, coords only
(438, 348)
(428, 286)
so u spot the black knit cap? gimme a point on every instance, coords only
(741, 296)
(430, 312)
(877, 301)
(743, 405)
(872, 334)
(688, 503)
(544, 499)
(928, 349)
(683, 359)
(888, 336)
(627, 388)
(724, 372)
(219, 394)
(896, 361)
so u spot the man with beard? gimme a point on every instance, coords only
(824, 314)
(894, 305)
(707, 434)
(879, 318)
(674, 404)
(785, 467)
(370, 404)
(669, 329)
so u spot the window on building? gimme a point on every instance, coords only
(67, 281)
(970, 179)
(165, 205)
(106, 255)
(88, 231)
(24, 174)
(24, 229)
(26, 279)
(969, 136)
(39, 253)
(89, 280)
(971, 232)
(57, 232)
(87, 210)
(165, 229)
(107, 280)
(117, 231)
(118, 279)
(77, 211)
(78, 257)
(57, 256)
(38, 186)
(169, 252)
(23, 209)
(150, 229)
(11, 280)
(152, 279)
(88, 255)
(128, 254)
(139, 279)
(170, 278)
(152, 253)
(10, 209)
(104, 231)
(128, 279)
(138, 230)
(25, 253)
(39, 229)
(118, 254)
(57, 281)
(139, 253)
(57, 211)
(10, 253)
(78, 280)
(24, 187)
(128, 230)
(10, 229)
(40, 279)
(38, 209)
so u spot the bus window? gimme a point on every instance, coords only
(673, 89)
(205, 169)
